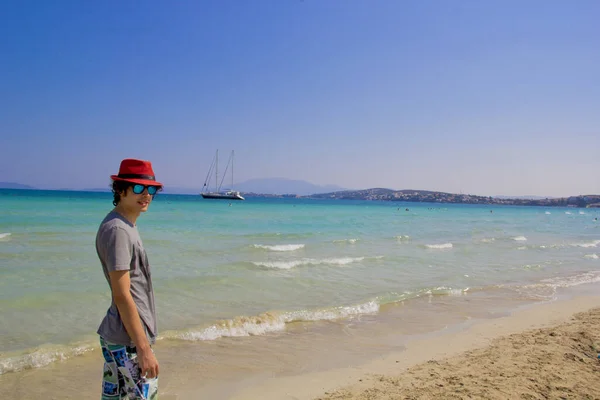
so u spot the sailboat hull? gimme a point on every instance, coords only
(218, 194)
(222, 196)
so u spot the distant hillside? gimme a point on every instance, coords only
(524, 197)
(14, 185)
(283, 186)
(410, 195)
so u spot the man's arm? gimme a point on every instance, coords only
(121, 284)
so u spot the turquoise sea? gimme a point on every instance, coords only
(252, 268)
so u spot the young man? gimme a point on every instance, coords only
(129, 328)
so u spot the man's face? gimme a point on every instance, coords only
(136, 202)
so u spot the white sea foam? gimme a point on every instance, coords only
(575, 280)
(592, 256)
(520, 238)
(548, 213)
(532, 266)
(41, 357)
(5, 236)
(581, 213)
(237, 327)
(444, 290)
(402, 238)
(240, 326)
(271, 322)
(568, 212)
(351, 241)
(308, 261)
(371, 307)
(439, 246)
(522, 248)
(547, 288)
(488, 240)
(593, 243)
(279, 247)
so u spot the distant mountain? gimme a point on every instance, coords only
(179, 190)
(284, 186)
(167, 190)
(106, 189)
(14, 185)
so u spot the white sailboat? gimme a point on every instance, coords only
(227, 194)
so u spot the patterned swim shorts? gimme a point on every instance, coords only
(122, 379)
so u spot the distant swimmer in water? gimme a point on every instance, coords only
(406, 209)
(491, 211)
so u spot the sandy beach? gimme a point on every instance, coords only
(544, 350)
(557, 362)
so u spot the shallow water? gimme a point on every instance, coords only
(263, 267)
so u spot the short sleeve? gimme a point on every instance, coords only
(117, 249)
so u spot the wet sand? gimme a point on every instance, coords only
(542, 351)
(368, 358)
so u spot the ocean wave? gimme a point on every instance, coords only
(547, 213)
(519, 238)
(351, 241)
(592, 256)
(279, 247)
(240, 326)
(447, 291)
(402, 238)
(5, 236)
(371, 307)
(396, 298)
(532, 266)
(236, 327)
(41, 357)
(272, 322)
(273, 235)
(310, 261)
(593, 243)
(568, 212)
(488, 240)
(574, 280)
(439, 246)
(541, 247)
(550, 246)
(547, 288)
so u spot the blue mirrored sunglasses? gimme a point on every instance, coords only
(139, 189)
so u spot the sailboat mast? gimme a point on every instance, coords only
(217, 173)
(231, 169)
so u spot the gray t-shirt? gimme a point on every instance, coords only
(120, 248)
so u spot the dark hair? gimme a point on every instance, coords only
(119, 187)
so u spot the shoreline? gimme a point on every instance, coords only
(312, 360)
(356, 382)
(555, 361)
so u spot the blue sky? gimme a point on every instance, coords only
(483, 97)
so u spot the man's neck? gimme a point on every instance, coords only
(127, 214)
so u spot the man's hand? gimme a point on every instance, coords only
(121, 284)
(147, 362)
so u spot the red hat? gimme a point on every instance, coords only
(136, 171)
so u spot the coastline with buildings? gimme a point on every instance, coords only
(425, 196)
